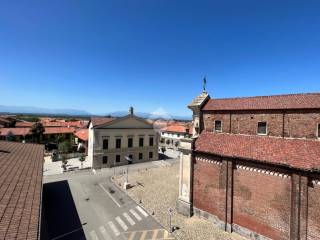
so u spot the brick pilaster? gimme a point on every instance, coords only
(228, 170)
(299, 207)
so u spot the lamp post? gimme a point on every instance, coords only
(126, 183)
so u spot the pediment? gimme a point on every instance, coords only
(127, 122)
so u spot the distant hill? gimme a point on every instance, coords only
(75, 112)
(36, 110)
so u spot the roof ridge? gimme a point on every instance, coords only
(268, 96)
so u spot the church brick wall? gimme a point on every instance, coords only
(262, 201)
(293, 123)
(313, 231)
(255, 199)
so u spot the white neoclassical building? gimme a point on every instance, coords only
(112, 139)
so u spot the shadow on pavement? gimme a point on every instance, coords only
(163, 156)
(59, 213)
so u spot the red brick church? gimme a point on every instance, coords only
(252, 165)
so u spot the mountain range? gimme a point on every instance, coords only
(75, 112)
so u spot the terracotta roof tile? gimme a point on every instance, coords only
(77, 124)
(5, 120)
(82, 134)
(20, 189)
(15, 131)
(58, 130)
(290, 101)
(174, 128)
(24, 124)
(100, 121)
(178, 128)
(295, 153)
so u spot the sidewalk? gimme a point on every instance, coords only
(52, 168)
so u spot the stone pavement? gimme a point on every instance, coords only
(157, 189)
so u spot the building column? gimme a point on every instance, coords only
(299, 207)
(184, 203)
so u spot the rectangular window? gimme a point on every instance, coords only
(131, 156)
(105, 159)
(118, 143)
(262, 128)
(141, 142)
(218, 126)
(130, 142)
(117, 158)
(151, 141)
(319, 130)
(150, 155)
(105, 144)
(140, 156)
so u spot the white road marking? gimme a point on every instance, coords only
(135, 214)
(93, 235)
(109, 194)
(142, 211)
(121, 223)
(129, 219)
(104, 233)
(114, 228)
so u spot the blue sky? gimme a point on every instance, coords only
(102, 56)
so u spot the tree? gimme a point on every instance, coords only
(82, 158)
(11, 137)
(37, 131)
(59, 138)
(64, 147)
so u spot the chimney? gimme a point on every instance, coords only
(130, 110)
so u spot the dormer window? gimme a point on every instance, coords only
(217, 126)
(262, 128)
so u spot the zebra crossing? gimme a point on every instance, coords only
(119, 224)
(154, 234)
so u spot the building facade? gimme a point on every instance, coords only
(253, 165)
(111, 140)
(172, 134)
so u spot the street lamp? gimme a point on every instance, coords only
(126, 183)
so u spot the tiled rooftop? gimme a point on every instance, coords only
(295, 153)
(290, 101)
(58, 130)
(23, 131)
(82, 134)
(100, 121)
(24, 124)
(20, 190)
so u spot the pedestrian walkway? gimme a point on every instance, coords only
(155, 234)
(120, 225)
